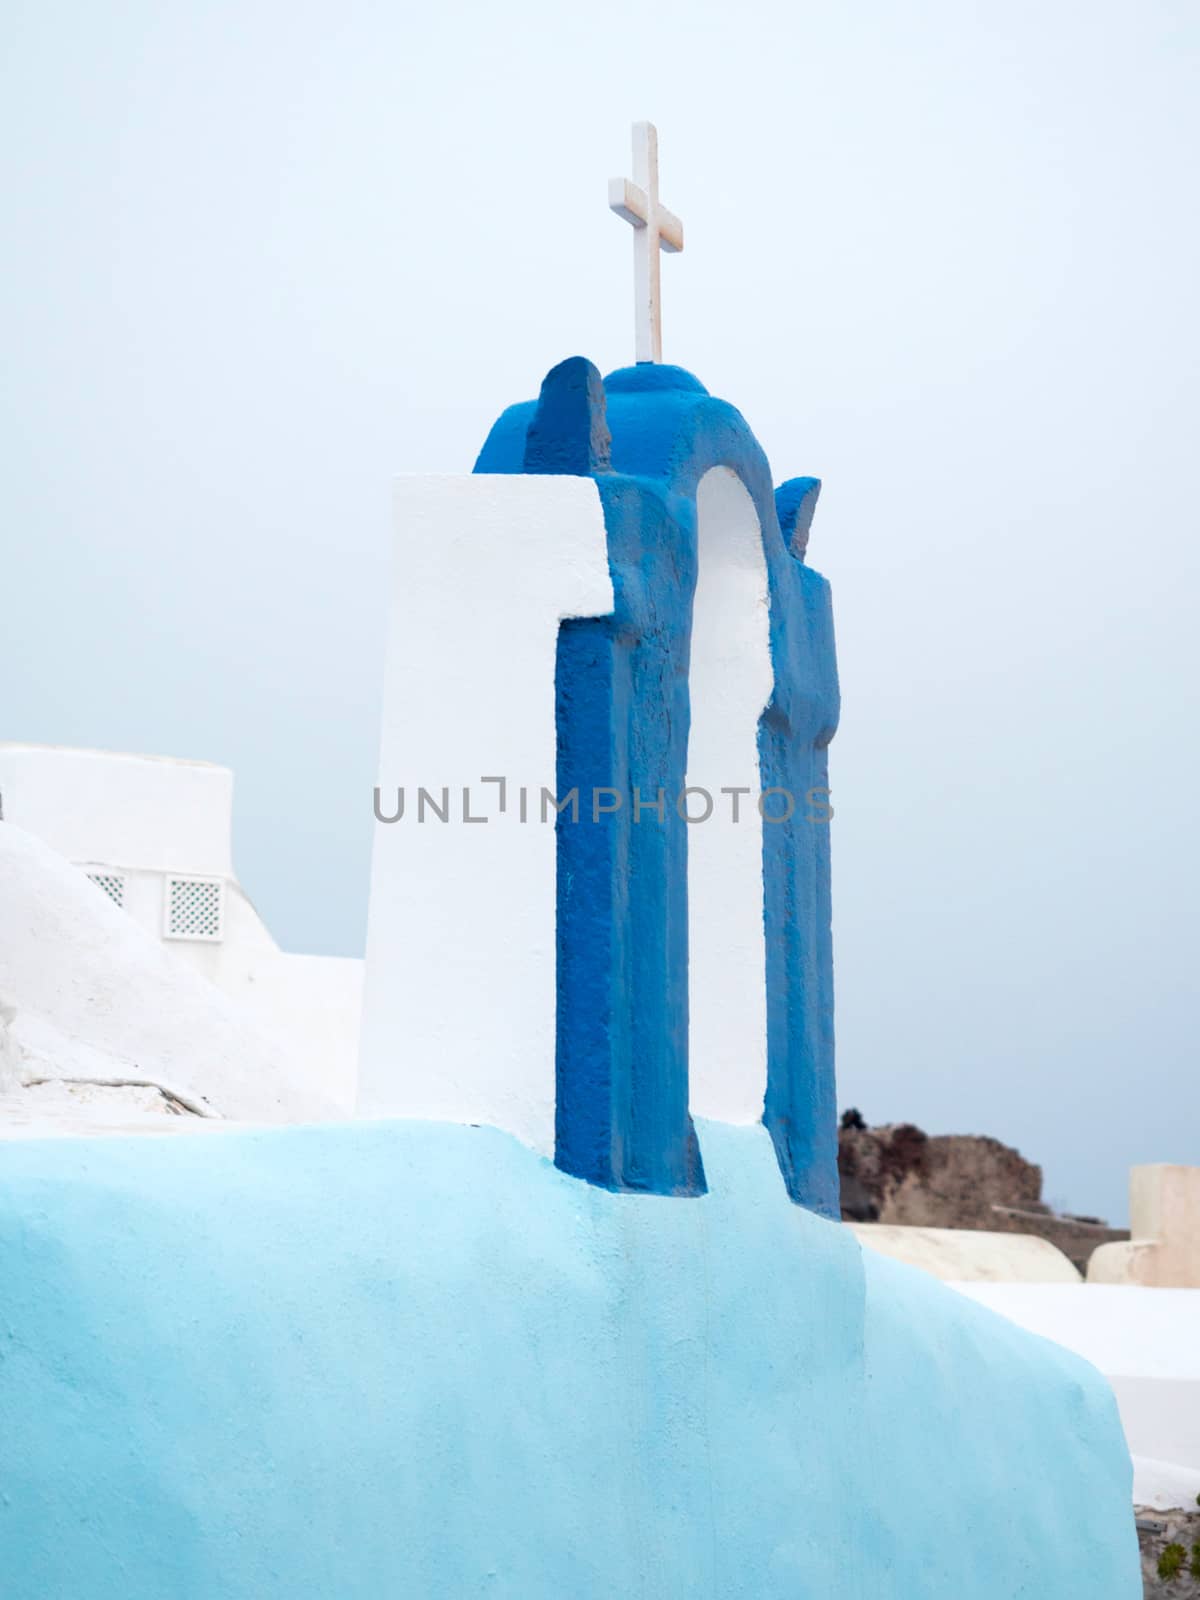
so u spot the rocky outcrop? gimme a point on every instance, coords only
(901, 1175)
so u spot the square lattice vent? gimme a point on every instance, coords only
(195, 909)
(110, 883)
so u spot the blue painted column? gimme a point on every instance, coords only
(647, 436)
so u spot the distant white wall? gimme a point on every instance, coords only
(459, 1010)
(86, 993)
(138, 822)
(729, 684)
(146, 812)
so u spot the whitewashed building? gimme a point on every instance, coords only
(154, 834)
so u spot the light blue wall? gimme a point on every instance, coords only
(414, 1360)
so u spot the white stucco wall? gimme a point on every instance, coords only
(459, 1008)
(85, 993)
(154, 813)
(729, 683)
(147, 820)
(315, 1002)
(460, 988)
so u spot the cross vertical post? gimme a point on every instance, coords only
(654, 229)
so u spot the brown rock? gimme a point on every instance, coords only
(899, 1174)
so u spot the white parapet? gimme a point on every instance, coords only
(152, 813)
(459, 1005)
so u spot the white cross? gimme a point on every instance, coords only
(654, 227)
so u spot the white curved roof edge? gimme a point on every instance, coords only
(967, 1256)
(108, 755)
(136, 813)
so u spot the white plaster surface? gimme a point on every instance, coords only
(963, 1255)
(312, 1005)
(730, 683)
(147, 812)
(87, 994)
(1164, 1485)
(146, 818)
(64, 1108)
(459, 1006)
(1146, 1342)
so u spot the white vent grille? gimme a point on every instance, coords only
(110, 883)
(195, 909)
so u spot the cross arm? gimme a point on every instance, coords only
(628, 201)
(670, 231)
(631, 202)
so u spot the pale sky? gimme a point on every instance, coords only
(260, 257)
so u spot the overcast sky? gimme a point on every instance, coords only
(263, 255)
